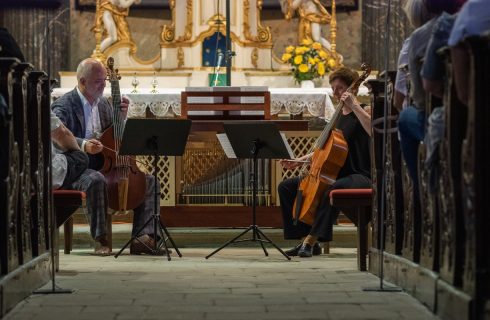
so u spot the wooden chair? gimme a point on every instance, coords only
(68, 203)
(361, 201)
(65, 203)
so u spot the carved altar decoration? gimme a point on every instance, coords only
(251, 40)
(181, 41)
(313, 16)
(196, 35)
(111, 27)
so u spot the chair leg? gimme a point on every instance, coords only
(362, 238)
(109, 230)
(68, 230)
(326, 247)
(56, 250)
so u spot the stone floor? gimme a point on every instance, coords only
(236, 283)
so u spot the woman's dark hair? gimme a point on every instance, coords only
(344, 74)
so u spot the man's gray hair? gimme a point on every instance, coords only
(417, 12)
(86, 67)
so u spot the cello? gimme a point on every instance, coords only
(329, 155)
(126, 183)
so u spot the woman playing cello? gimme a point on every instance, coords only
(355, 123)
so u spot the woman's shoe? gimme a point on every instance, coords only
(294, 251)
(306, 251)
(317, 250)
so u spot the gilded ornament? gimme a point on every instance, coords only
(255, 57)
(180, 57)
(312, 16)
(110, 23)
(168, 35)
(263, 33)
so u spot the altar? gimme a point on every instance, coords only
(314, 102)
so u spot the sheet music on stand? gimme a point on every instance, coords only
(226, 145)
(230, 153)
(286, 143)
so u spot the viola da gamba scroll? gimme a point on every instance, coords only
(126, 183)
(329, 155)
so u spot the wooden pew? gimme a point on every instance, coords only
(36, 127)
(394, 187)
(5, 125)
(475, 177)
(24, 265)
(429, 244)
(376, 88)
(20, 76)
(411, 218)
(452, 276)
(10, 176)
(452, 303)
(411, 225)
(451, 240)
(46, 136)
(393, 190)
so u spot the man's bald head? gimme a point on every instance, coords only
(91, 77)
(87, 67)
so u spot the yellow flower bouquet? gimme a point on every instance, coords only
(308, 60)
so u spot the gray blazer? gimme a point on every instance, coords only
(70, 111)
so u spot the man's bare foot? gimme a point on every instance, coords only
(103, 251)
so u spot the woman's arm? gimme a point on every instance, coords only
(294, 163)
(364, 115)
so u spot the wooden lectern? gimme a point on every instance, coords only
(226, 103)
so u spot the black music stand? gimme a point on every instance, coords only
(256, 140)
(155, 137)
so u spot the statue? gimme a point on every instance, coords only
(312, 15)
(112, 15)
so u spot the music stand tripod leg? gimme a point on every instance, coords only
(156, 211)
(135, 237)
(157, 219)
(273, 244)
(150, 137)
(151, 219)
(169, 238)
(246, 144)
(257, 232)
(259, 239)
(229, 242)
(253, 182)
(163, 241)
(162, 231)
